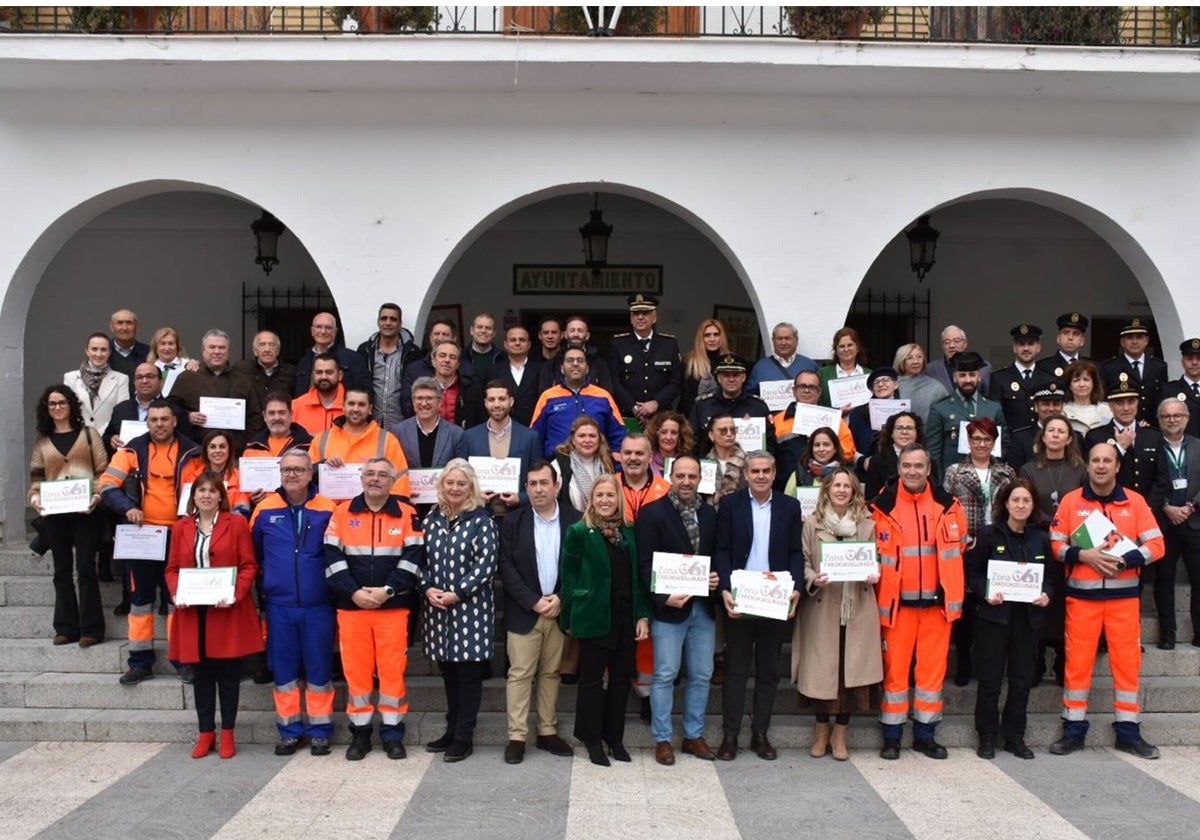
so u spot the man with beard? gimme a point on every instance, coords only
(322, 404)
(948, 417)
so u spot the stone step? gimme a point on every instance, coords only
(37, 622)
(787, 732)
(38, 591)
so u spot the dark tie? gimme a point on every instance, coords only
(1028, 376)
(170, 365)
(1137, 370)
(1196, 390)
(646, 346)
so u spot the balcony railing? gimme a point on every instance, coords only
(1154, 26)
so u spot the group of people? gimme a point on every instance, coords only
(949, 472)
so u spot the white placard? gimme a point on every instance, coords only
(849, 390)
(708, 475)
(1098, 531)
(751, 433)
(339, 483)
(131, 429)
(223, 412)
(497, 475)
(777, 393)
(1020, 582)
(807, 496)
(185, 495)
(679, 574)
(964, 444)
(422, 486)
(809, 418)
(848, 560)
(70, 495)
(141, 542)
(881, 410)
(206, 587)
(765, 594)
(256, 474)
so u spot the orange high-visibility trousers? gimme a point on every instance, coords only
(375, 642)
(644, 658)
(922, 632)
(1120, 619)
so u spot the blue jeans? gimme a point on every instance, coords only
(694, 636)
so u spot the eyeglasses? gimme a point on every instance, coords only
(1160, 417)
(806, 387)
(294, 470)
(981, 439)
(731, 430)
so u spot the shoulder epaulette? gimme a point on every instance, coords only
(622, 335)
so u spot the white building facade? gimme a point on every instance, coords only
(770, 175)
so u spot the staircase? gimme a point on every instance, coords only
(65, 693)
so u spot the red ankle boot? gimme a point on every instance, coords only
(204, 744)
(228, 744)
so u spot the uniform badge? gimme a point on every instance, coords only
(628, 359)
(1182, 397)
(1058, 371)
(1124, 376)
(1015, 386)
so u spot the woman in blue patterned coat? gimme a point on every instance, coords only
(461, 545)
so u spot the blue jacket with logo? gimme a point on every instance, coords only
(291, 553)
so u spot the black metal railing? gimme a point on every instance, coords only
(1160, 26)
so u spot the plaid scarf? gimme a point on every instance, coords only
(689, 515)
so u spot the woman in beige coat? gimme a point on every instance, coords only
(836, 652)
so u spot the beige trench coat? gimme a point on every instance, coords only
(815, 661)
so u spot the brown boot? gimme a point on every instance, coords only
(820, 744)
(838, 740)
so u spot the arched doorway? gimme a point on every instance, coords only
(176, 253)
(1010, 256)
(524, 259)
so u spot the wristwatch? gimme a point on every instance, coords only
(389, 591)
(1121, 564)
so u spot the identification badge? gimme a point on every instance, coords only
(1179, 484)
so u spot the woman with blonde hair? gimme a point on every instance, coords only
(606, 609)
(917, 386)
(167, 354)
(836, 656)
(698, 378)
(461, 550)
(580, 460)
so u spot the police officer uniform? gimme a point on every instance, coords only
(1147, 378)
(744, 404)
(947, 414)
(1186, 390)
(645, 369)
(1013, 387)
(1139, 463)
(1020, 449)
(1056, 364)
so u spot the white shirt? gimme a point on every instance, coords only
(760, 513)
(547, 539)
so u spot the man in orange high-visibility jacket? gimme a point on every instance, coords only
(320, 405)
(1103, 597)
(356, 437)
(373, 552)
(921, 533)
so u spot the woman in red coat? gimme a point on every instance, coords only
(213, 638)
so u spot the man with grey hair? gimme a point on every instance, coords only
(324, 331)
(216, 378)
(127, 351)
(784, 362)
(954, 342)
(268, 373)
(1174, 498)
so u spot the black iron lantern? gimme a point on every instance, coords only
(922, 245)
(267, 230)
(595, 238)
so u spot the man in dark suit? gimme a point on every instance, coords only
(1134, 369)
(428, 440)
(530, 547)
(1187, 387)
(127, 351)
(646, 367)
(757, 529)
(266, 371)
(501, 436)
(578, 332)
(1138, 444)
(1072, 333)
(1175, 500)
(520, 371)
(147, 387)
(1014, 386)
(324, 334)
(679, 523)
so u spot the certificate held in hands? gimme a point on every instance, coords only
(223, 412)
(1021, 582)
(141, 542)
(679, 574)
(70, 495)
(764, 594)
(206, 587)
(848, 561)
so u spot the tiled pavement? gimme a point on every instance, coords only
(111, 790)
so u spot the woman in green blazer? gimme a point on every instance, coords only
(849, 359)
(606, 609)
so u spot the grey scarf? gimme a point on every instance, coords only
(689, 515)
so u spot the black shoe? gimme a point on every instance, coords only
(618, 752)
(554, 745)
(1066, 745)
(514, 752)
(986, 748)
(360, 745)
(320, 746)
(1140, 748)
(597, 756)
(1018, 748)
(287, 746)
(186, 673)
(728, 749)
(441, 744)
(1167, 643)
(891, 749)
(457, 751)
(121, 609)
(761, 747)
(104, 575)
(933, 749)
(136, 675)
(569, 679)
(644, 711)
(395, 750)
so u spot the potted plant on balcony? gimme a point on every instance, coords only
(1063, 24)
(633, 20)
(384, 18)
(1183, 23)
(826, 23)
